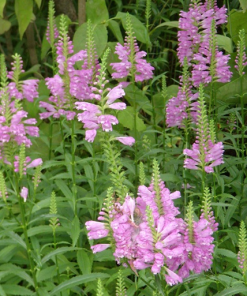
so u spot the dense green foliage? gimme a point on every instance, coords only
(44, 248)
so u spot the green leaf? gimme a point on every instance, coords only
(100, 38)
(170, 178)
(238, 288)
(75, 230)
(237, 20)
(173, 24)
(24, 13)
(2, 4)
(17, 290)
(243, 4)
(78, 280)
(126, 118)
(140, 30)
(16, 270)
(227, 92)
(64, 188)
(57, 252)
(114, 27)
(85, 261)
(15, 237)
(96, 11)
(225, 43)
(8, 252)
(39, 230)
(2, 293)
(4, 26)
(136, 96)
(38, 2)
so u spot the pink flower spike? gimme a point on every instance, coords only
(172, 278)
(99, 247)
(129, 141)
(24, 193)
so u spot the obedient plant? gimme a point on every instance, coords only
(15, 127)
(205, 153)
(145, 233)
(132, 63)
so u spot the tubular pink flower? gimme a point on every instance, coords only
(24, 193)
(129, 141)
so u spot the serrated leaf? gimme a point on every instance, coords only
(99, 34)
(139, 29)
(24, 13)
(58, 251)
(96, 11)
(39, 230)
(4, 26)
(2, 5)
(78, 280)
(126, 118)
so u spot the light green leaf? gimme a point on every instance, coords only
(126, 118)
(75, 230)
(136, 96)
(17, 290)
(96, 11)
(228, 91)
(38, 2)
(85, 260)
(2, 4)
(225, 43)
(78, 280)
(2, 293)
(57, 252)
(114, 27)
(237, 20)
(39, 230)
(8, 252)
(24, 13)
(4, 26)
(13, 269)
(172, 24)
(100, 38)
(17, 239)
(64, 188)
(140, 30)
(243, 4)
(238, 288)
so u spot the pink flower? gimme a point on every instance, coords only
(99, 247)
(24, 193)
(129, 141)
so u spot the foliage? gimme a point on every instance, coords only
(53, 185)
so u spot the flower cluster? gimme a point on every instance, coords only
(132, 62)
(205, 153)
(146, 233)
(15, 127)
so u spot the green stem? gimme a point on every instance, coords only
(24, 226)
(50, 138)
(74, 189)
(242, 133)
(62, 134)
(55, 247)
